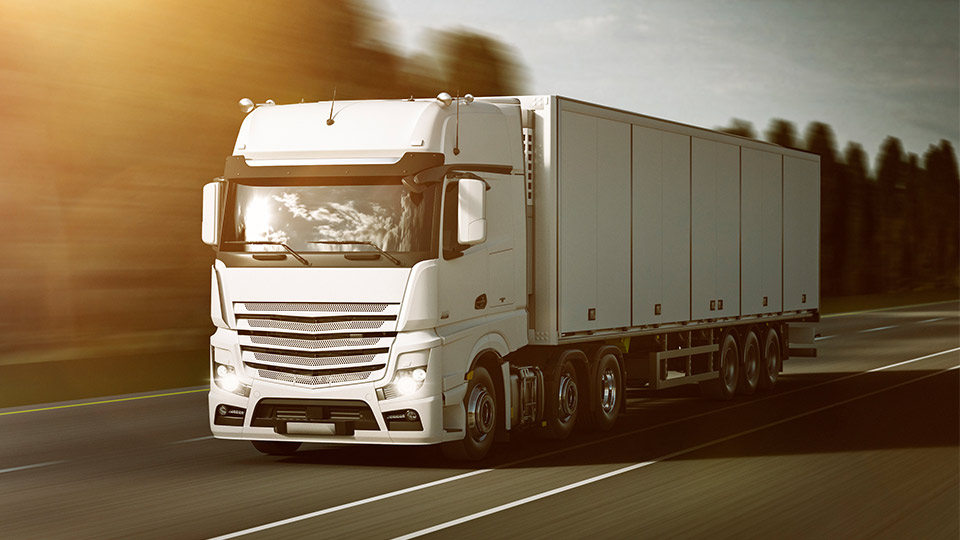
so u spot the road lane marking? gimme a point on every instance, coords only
(195, 439)
(935, 319)
(847, 313)
(34, 466)
(879, 328)
(635, 466)
(351, 504)
(568, 449)
(821, 338)
(106, 401)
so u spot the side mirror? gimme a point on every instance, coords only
(210, 230)
(471, 212)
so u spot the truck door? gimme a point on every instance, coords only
(464, 270)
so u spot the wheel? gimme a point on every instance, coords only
(749, 365)
(606, 392)
(480, 404)
(277, 448)
(724, 386)
(772, 361)
(562, 400)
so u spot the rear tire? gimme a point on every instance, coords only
(606, 391)
(724, 386)
(277, 448)
(480, 406)
(750, 365)
(771, 361)
(562, 400)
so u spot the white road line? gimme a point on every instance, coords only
(636, 466)
(351, 504)
(34, 466)
(821, 338)
(879, 328)
(567, 449)
(935, 319)
(193, 440)
(891, 308)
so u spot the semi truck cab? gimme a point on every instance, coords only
(367, 252)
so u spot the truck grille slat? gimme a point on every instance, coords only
(313, 362)
(314, 380)
(315, 326)
(316, 343)
(313, 344)
(315, 306)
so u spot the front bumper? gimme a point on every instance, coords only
(429, 410)
(332, 411)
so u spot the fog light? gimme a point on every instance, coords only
(229, 382)
(410, 376)
(407, 385)
(412, 415)
(224, 376)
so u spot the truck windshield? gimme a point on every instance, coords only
(331, 215)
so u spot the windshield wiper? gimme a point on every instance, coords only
(357, 243)
(268, 243)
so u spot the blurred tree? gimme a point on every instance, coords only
(833, 208)
(890, 181)
(862, 236)
(782, 132)
(914, 249)
(740, 127)
(115, 113)
(477, 64)
(943, 205)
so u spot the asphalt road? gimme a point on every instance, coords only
(862, 441)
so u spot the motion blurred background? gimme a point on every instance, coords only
(115, 113)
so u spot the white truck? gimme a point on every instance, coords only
(453, 270)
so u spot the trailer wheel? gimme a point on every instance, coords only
(607, 392)
(750, 365)
(724, 386)
(771, 361)
(562, 400)
(480, 405)
(277, 448)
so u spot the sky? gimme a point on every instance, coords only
(869, 68)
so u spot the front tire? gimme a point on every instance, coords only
(480, 405)
(277, 448)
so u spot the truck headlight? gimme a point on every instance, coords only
(225, 376)
(409, 377)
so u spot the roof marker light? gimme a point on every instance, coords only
(246, 105)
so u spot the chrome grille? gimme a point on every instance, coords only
(316, 343)
(313, 343)
(315, 326)
(313, 362)
(314, 380)
(315, 306)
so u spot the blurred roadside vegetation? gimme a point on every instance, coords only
(115, 113)
(893, 231)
